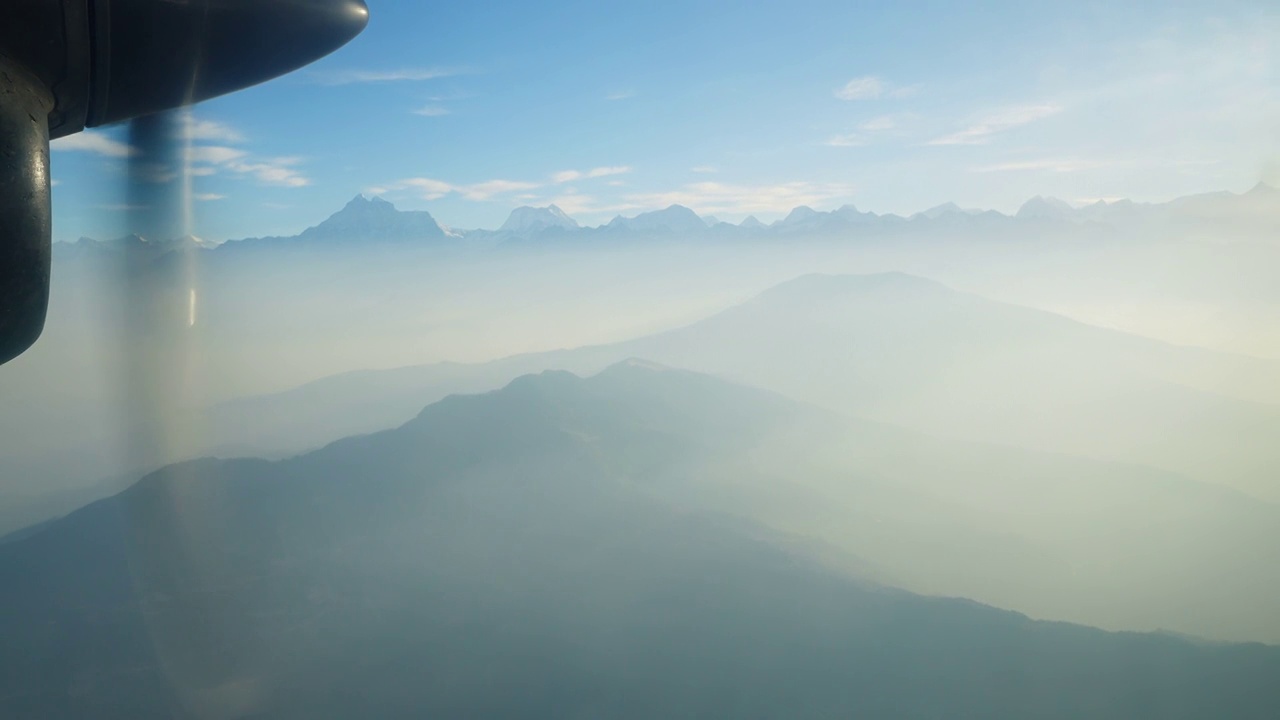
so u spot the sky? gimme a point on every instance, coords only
(733, 109)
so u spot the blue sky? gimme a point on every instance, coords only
(471, 109)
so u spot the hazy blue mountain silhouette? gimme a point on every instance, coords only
(892, 347)
(376, 221)
(514, 555)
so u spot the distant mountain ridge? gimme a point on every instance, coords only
(375, 220)
(369, 220)
(865, 319)
(527, 219)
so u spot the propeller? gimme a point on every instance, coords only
(70, 64)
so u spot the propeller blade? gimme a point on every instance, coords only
(180, 571)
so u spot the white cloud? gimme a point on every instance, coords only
(93, 142)
(869, 128)
(565, 176)
(868, 87)
(351, 77)
(706, 198)
(1047, 165)
(208, 130)
(879, 124)
(208, 197)
(728, 199)
(432, 189)
(431, 111)
(489, 188)
(607, 171)
(849, 140)
(574, 204)
(980, 132)
(871, 87)
(271, 171)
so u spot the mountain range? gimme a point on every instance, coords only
(374, 221)
(978, 394)
(546, 550)
(891, 347)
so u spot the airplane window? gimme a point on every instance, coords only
(581, 360)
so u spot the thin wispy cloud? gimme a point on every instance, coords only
(610, 170)
(432, 189)
(208, 197)
(982, 131)
(353, 77)
(272, 171)
(707, 198)
(565, 176)
(620, 95)
(92, 142)
(196, 129)
(1045, 165)
(868, 130)
(733, 199)
(489, 188)
(431, 111)
(879, 124)
(704, 169)
(873, 87)
(868, 87)
(574, 204)
(206, 160)
(847, 140)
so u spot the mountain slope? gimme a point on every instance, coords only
(1109, 544)
(916, 353)
(895, 348)
(515, 555)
